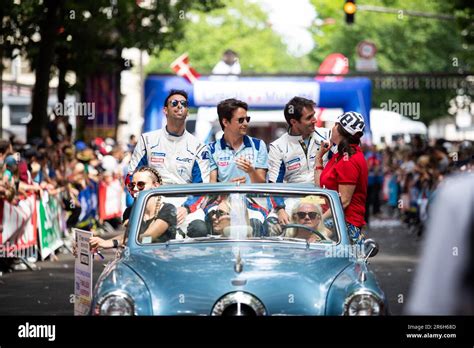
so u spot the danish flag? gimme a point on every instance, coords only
(181, 67)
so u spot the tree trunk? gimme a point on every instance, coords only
(1, 73)
(80, 124)
(1, 89)
(118, 98)
(48, 31)
(62, 84)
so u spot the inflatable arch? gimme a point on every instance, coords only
(350, 94)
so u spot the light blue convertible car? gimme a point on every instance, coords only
(237, 253)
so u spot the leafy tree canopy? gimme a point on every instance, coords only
(404, 44)
(241, 26)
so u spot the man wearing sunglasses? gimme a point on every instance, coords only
(292, 157)
(236, 157)
(179, 156)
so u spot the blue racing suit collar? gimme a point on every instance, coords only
(247, 142)
(173, 134)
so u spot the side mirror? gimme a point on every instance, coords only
(371, 248)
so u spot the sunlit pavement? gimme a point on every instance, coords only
(49, 289)
(396, 261)
(45, 291)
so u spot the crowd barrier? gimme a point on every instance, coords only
(52, 224)
(19, 224)
(40, 222)
(111, 200)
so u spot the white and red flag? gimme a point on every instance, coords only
(182, 68)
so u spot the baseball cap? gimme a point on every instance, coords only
(11, 161)
(80, 145)
(352, 122)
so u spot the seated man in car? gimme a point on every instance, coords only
(219, 218)
(224, 212)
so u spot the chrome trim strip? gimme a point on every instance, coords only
(238, 297)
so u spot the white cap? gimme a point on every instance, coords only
(352, 122)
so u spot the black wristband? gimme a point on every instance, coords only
(116, 244)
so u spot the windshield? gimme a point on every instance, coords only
(237, 216)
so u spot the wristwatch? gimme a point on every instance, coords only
(277, 209)
(116, 243)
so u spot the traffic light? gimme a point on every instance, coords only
(350, 9)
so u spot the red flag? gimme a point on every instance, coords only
(181, 67)
(319, 119)
(335, 63)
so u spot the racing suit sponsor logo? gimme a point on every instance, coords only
(182, 171)
(184, 159)
(222, 163)
(294, 166)
(205, 155)
(294, 160)
(249, 157)
(157, 158)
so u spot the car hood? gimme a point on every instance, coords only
(287, 278)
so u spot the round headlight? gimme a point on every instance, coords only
(116, 303)
(363, 303)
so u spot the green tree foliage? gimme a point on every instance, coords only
(242, 26)
(464, 12)
(8, 42)
(404, 44)
(87, 36)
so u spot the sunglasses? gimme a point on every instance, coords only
(140, 185)
(312, 214)
(242, 119)
(174, 103)
(218, 213)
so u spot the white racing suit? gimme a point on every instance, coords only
(178, 159)
(288, 161)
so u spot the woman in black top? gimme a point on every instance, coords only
(159, 220)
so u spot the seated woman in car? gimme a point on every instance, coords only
(308, 213)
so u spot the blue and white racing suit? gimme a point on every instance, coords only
(179, 159)
(291, 160)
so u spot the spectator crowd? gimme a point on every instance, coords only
(401, 177)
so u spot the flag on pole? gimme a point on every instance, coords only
(182, 68)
